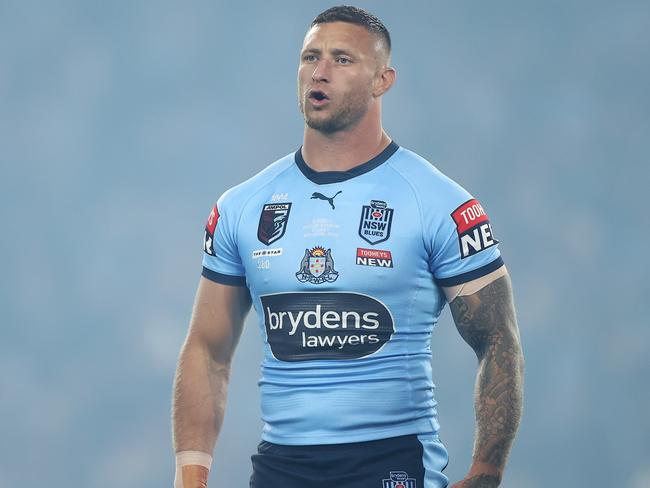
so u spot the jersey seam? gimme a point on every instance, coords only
(417, 199)
(241, 215)
(417, 291)
(420, 210)
(444, 246)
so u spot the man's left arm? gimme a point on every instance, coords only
(486, 321)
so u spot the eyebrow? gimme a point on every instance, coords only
(334, 51)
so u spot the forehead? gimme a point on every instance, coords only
(340, 35)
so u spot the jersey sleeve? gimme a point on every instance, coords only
(221, 260)
(462, 244)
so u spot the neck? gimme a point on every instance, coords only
(344, 150)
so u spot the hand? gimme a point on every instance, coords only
(478, 481)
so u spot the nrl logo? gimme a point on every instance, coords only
(317, 266)
(399, 479)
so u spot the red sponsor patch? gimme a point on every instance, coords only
(374, 257)
(212, 220)
(469, 215)
(208, 235)
(373, 253)
(473, 226)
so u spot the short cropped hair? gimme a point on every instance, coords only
(355, 15)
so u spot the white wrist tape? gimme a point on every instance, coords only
(185, 458)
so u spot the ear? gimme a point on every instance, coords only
(384, 80)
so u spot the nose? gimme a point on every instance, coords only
(321, 71)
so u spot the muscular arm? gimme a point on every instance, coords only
(201, 381)
(486, 321)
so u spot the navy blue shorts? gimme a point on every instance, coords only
(410, 461)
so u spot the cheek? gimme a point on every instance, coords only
(302, 76)
(360, 86)
(305, 71)
(304, 80)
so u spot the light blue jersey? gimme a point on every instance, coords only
(344, 270)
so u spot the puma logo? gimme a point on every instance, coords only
(320, 196)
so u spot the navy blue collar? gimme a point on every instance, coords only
(325, 177)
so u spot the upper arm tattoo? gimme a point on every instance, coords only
(486, 315)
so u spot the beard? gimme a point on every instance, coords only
(351, 109)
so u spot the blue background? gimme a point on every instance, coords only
(122, 122)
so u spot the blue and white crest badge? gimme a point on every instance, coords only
(399, 479)
(376, 220)
(317, 266)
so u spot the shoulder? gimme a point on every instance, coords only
(238, 195)
(430, 185)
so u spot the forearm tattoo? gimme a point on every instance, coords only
(486, 321)
(482, 481)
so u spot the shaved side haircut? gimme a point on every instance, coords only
(358, 16)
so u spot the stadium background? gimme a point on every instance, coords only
(121, 122)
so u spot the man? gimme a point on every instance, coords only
(347, 249)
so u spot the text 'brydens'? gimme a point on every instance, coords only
(308, 326)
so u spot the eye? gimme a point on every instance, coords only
(309, 58)
(342, 60)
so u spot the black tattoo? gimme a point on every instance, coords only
(481, 481)
(486, 321)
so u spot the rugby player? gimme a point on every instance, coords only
(348, 249)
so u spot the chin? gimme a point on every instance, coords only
(325, 125)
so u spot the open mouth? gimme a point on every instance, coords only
(318, 96)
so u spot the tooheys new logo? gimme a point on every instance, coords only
(324, 325)
(474, 230)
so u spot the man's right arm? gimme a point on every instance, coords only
(201, 382)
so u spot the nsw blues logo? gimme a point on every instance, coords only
(399, 479)
(273, 222)
(375, 223)
(317, 266)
